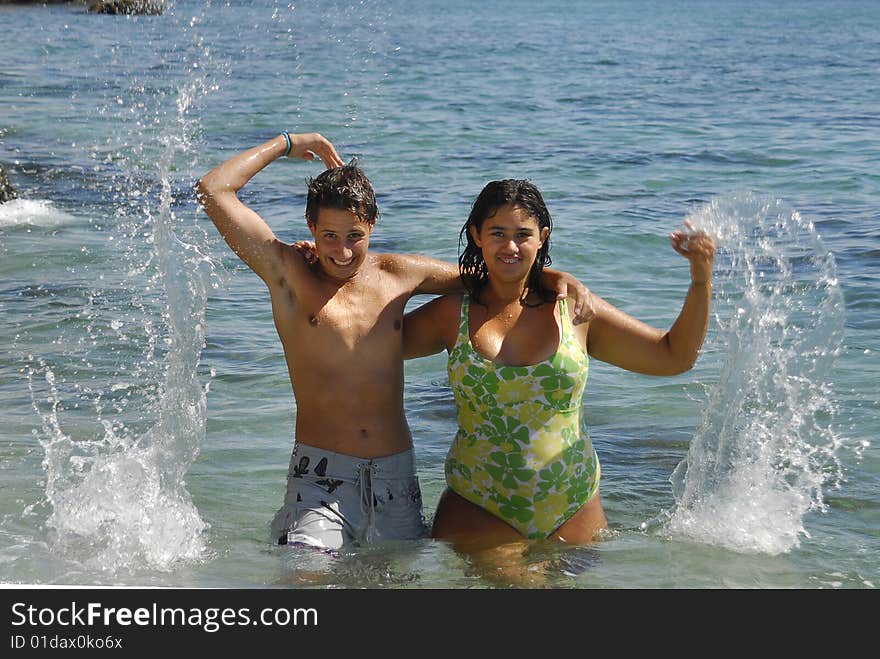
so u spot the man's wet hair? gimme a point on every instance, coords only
(343, 188)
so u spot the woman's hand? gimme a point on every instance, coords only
(698, 247)
(307, 250)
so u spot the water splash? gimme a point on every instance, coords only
(765, 447)
(115, 480)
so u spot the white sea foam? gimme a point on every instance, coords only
(31, 212)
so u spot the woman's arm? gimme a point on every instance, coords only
(432, 327)
(243, 229)
(620, 339)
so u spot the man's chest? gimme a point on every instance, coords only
(348, 320)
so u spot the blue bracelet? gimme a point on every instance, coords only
(289, 143)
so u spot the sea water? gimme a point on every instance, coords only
(146, 415)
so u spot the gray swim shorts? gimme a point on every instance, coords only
(334, 499)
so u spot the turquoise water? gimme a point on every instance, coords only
(145, 411)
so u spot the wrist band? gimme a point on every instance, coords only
(289, 143)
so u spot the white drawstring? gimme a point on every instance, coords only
(368, 501)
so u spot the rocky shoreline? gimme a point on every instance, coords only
(131, 7)
(7, 192)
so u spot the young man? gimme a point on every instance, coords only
(352, 472)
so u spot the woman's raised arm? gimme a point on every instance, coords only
(619, 339)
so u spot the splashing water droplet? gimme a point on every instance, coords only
(117, 495)
(765, 447)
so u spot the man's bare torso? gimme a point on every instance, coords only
(343, 345)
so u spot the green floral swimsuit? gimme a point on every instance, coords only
(519, 452)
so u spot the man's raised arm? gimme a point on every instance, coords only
(244, 230)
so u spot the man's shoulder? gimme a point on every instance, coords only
(294, 264)
(399, 265)
(413, 263)
(417, 273)
(393, 262)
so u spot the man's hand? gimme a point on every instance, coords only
(308, 145)
(566, 286)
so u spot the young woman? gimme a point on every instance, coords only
(519, 466)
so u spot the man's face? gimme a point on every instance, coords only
(341, 240)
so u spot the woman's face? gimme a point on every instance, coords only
(510, 241)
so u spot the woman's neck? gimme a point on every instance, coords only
(498, 294)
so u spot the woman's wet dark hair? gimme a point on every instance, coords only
(519, 193)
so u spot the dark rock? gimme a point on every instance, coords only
(7, 192)
(148, 7)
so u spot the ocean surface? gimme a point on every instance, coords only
(146, 416)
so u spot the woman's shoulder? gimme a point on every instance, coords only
(443, 305)
(450, 303)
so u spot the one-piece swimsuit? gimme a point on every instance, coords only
(520, 452)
